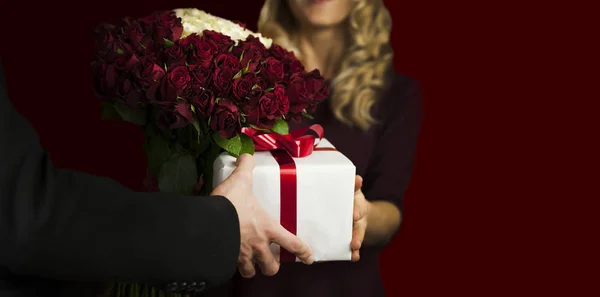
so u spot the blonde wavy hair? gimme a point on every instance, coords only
(361, 76)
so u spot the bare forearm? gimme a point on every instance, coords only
(383, 220)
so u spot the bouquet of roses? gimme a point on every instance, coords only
(192, 81)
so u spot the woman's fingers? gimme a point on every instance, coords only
(358, 235)
(361, 206)
(358, 183)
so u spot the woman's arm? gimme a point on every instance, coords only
(391, 166)
(383, 220)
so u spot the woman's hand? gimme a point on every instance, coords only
(361, 210)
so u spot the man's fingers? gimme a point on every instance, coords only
(291, 243)
(355, 256)
(245, 166)
(358, 183)
(246, 268)
(245, 163)
(266, 261)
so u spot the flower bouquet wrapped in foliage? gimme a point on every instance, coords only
(192, 81)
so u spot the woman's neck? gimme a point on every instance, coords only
(322, 49)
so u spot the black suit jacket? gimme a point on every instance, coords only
(67, 225)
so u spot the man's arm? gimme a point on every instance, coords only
(69, 225)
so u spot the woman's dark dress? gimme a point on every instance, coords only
(383, 157)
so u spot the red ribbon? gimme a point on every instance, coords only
(284, 148)
(298, 143)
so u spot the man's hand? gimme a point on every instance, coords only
(258, 229)
(361, 210)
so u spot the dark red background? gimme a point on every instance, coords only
(497, 205)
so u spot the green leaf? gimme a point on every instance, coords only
(237, 145)
(132, 115)
(247, 145)
(198, 142)
(268, 90)
(281, 127)
(258, 128)
(178, 175)
(120, 51)
(109, 112)
(233, 145)
(238, 75)
(307, 115)
(158, 152)
(207, 161)
(168, 43)
(198, 130)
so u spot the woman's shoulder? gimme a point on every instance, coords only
(402, 93)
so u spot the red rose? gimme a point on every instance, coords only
(258, 89)
(252, 113)
(132, 29)
(201, 76)
(294, 66)
(175, 83)
(167, 26)
(278, 52)
(297, 88)
(268, 107)
(174, 115)
(273, 70)
(222, 42)
(282, 99)
(174, 56)
(204, 102)
(148, 72)
(104, 35)
(243, 85)
(222, 78)
(228, 60)
(148, 46)
(264, 111)
(132, 96)
(253, 52)
(202, 54)
(105, 79)
(261, 83)
(315, 86)
(127, 60)
(189, 41)
(225, 119)
(124, 86)
(110, 52)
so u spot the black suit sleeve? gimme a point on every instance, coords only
(69, 225)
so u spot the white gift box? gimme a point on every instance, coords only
(324, 197)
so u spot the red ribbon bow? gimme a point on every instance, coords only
(297, 144)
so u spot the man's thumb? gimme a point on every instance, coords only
(245, 164)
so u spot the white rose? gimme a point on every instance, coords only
(196, 21)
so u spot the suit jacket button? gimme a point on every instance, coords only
(172, 287)
(199, 287)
